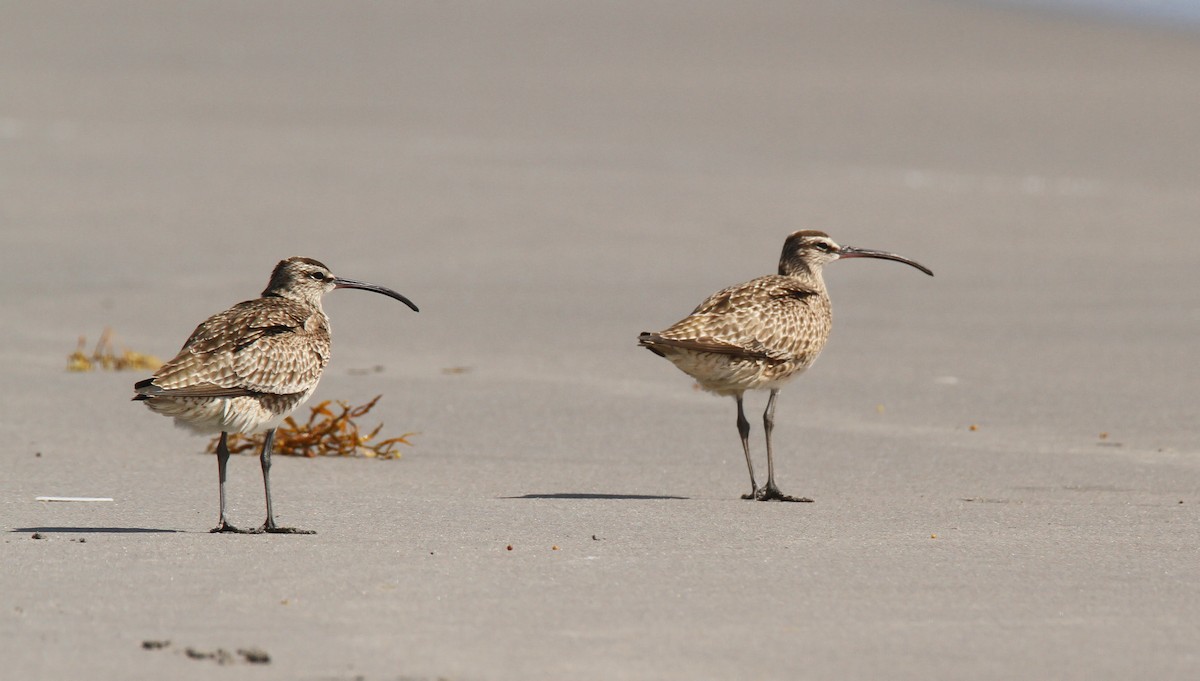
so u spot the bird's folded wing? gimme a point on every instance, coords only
(148, 389)
(281, 363)
(244, 324)
(753, 350)
(245, 351)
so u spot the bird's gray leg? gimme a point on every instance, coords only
(265, 458)
(744, 430)
(771, 492)
(222, 462)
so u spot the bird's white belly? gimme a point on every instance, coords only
(724, 375)
(246, 415)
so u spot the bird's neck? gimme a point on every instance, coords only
(802, 272)
(313, 302)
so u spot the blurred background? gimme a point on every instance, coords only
(548, 179)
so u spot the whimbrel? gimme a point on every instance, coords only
(246, 369)
(761, 334)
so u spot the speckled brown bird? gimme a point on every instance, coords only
(761, 334)
(246, 369)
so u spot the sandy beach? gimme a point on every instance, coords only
(1005, 458)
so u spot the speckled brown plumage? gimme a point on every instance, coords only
(761, 334)
(246, 369)
(756, 335)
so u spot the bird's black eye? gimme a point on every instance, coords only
(318, 276)
(824, 246)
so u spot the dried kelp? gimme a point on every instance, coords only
(326, 433)
(104, 358)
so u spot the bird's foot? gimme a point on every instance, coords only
(752, 496)
(772, 493)
(272, 528)
(226, 527)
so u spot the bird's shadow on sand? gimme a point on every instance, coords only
(93, 530)
(591, 495)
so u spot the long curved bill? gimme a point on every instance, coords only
(852, 252)
(342, 282)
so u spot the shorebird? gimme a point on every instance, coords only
(246, 369)
(761, 334)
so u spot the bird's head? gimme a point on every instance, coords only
(807, 251)
(306, 280)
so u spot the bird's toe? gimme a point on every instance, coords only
(226, 528)
(773, 494)
(284, 530)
